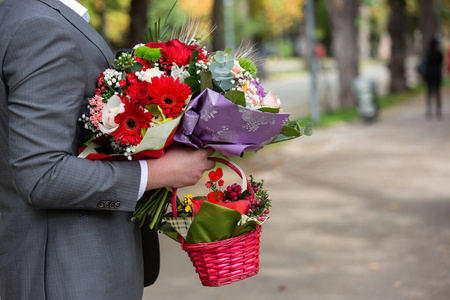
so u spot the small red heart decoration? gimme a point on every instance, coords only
(213, 199)
(215, 175)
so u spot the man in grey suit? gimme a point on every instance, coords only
(65, 229)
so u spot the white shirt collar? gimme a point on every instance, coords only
(78, 8)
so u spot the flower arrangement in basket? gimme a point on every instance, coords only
(221, 232)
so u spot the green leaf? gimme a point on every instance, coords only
(193, 83)
(168, 230)
(308, 129)
(206, 81)
(91, 138)
(135, 67)
(228, 51)
(269, 109)
(159, 35)
(216, 87)
(155, 110)
(166, 27)
(220, 57)
(237, 97)
(212, 223)
(244, 228)
(286, 134)
(192, 70)
(292, 130)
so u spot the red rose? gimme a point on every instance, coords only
(139, 92)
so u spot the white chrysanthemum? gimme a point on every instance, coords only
(149, 74)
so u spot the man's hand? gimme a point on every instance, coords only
(181, 166)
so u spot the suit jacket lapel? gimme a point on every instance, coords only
(82, 26)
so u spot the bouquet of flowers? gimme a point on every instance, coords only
(221, 231)
(139, 101)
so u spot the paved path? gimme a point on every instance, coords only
(360, 212)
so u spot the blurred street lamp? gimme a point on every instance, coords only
(313, 60)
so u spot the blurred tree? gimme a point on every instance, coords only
(110, 18)
(427, 22)
(218, 39)
(257, 14)
(138, 22)
(323, 25)
(343, 15)
(397, 28)
(443, 7)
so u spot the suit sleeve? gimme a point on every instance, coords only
(45, 74)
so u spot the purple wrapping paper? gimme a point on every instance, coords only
(212, 120)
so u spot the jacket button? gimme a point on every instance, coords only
(107, 204)
(101, 204)
(117, 205)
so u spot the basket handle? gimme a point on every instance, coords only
(229, 164)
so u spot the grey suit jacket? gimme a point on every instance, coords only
(65, 230)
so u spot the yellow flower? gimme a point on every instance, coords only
(188, 208)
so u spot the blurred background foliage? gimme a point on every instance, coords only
(347, 32)
(278, 22)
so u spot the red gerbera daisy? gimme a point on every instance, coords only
(131, 121)
(169, 94)
(177, 52)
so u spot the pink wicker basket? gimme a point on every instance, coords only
(224, 262)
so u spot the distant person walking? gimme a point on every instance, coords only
(433, 76)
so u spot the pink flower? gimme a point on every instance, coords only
(271, 100)
(96, 110)
(237, 70)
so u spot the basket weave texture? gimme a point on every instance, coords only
(224, 262)
(227, 261)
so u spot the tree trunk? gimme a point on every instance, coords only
(138, 23)
(218, 39)
(343, 15)
(427, 22)
(397, 28)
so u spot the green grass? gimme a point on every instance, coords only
(384, 102)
